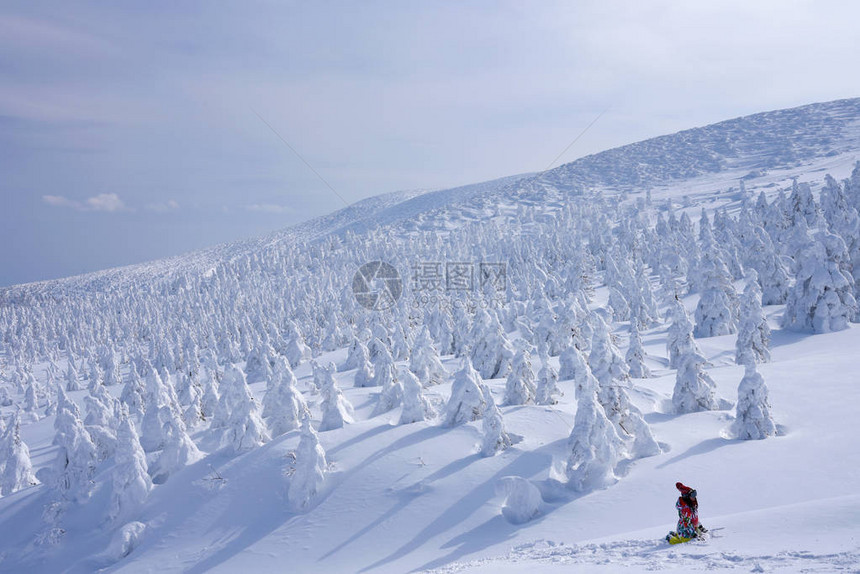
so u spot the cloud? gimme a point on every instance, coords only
(103, 202)
(269, 208)
(169, 205)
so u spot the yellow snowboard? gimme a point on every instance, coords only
(675, 539)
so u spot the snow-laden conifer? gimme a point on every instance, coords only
(364, 375)
(594, 448)
(385, 376)
(152, 425)
(612, 375)
(754, 332)
(753, 419)
(494, 438)
(467, 401)
(416, 407)
(308, 476)
(336, 409)
(694, 388)
(548, 391)
(520, 385)
(567, 363)
(283, 406)
(130, 482)
(73, 379)
(71, 474)
(179, 450)
(132, 395)
(822, 298)
(424, 360)
(16, 470)
(243, 427)
(258, 366)
(491, 352)
(717, 306)
(297, 351)
(356, 356)
(635, 356)
(679, 340)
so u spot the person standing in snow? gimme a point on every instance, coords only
(688, 516)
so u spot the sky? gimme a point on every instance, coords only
(138, 130)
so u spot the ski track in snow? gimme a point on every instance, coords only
(649, 556)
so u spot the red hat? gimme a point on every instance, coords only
(684, 489)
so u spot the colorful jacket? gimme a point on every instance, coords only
(688, 519)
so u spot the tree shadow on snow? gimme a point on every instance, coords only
(493, 531)
(525, 465)
(407, 496)
(242, 516)
(703, 447)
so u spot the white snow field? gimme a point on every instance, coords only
(201, 485)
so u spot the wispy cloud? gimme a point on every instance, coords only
(169, 205)
(109, 202)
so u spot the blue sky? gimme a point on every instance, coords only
(128, 130)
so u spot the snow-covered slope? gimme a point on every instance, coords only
(414, 497)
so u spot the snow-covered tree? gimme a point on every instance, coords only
(753, 419)
(258, 365)
(679, 339)
(491, 352)
(547, 392)
(297, 351)
(520, 384)
(71, 474)
(635, 356)
(179, 450)
(494, 438)
(612, 375)
(717, 307)
(694, 388)
(568, 361)
(210, 398)
(130, 483)
(385, 376)
(754, 333)
(595, 449)
(336, 409)
(364, 375)
(604, 359)
(416, 407)
(425, 362)
(73, 379)
(16, 470)
(357, 355)
(152, 425)
(467, 401)
(310, 470)
(822, 298)
(243, 427)
(132, 395)
(283, 406)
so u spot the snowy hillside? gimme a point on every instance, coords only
(518, 388)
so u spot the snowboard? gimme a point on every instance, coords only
(674, 538)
